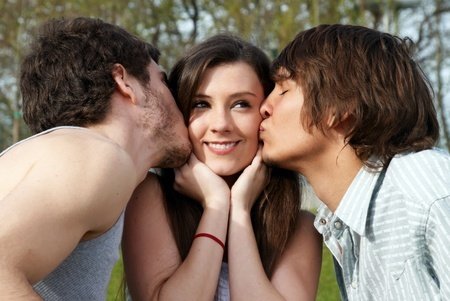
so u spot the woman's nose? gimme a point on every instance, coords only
(220, 121)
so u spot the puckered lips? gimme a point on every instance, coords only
(221, 147)
(261, 133)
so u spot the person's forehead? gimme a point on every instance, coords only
(154, 67)
(283, 81)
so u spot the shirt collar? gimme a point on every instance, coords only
(354, 206)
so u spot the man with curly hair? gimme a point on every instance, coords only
(102, 116)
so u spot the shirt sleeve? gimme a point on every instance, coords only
(438, 241)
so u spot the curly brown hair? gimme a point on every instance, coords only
(66, 79)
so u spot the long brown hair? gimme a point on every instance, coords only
(274, 214)
(371, 75)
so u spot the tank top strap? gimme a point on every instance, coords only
(41, 134)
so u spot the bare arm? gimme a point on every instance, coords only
(296, 275)
(297, 271)
(61, 199)
(153, 266)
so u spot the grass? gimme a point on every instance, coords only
(115, 284)
(328, 290)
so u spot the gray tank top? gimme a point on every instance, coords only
(84, 275)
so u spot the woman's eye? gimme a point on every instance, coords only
(199, 104)
(283, 92)
(241, 104)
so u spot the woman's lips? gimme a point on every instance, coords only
(222, 148)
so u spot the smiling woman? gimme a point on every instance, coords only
(224, 121)
(233, 227)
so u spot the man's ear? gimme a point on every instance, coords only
(342, 124)
(123, 84)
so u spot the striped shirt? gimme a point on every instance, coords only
(390, 235)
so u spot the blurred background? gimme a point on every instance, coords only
(175, 25)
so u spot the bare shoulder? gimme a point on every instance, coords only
(306, 221)
(76, 173)
(305, 235)
(64, 188)
(305, 244)
(84, 152)
(147, 194)
(87, 146)
(146, 206)
(147, 231)
(151, 182)
(68, 146)
(96, 165)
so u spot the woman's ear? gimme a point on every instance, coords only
(123, 84)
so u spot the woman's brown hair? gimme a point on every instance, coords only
(274, 214)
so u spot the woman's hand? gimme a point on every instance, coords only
(250, 184)
(197, 181)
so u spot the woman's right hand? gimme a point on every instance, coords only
(195, 180)
(250, 184)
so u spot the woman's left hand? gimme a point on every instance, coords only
(250, 184)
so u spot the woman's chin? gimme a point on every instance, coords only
(226, 172)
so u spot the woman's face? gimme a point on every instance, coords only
(225, 118)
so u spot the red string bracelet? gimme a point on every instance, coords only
(212, 237)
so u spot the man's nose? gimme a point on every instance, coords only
(265, 109)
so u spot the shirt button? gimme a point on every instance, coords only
(354, 284)
(323, 221)
(338, 225)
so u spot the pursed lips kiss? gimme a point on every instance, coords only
(261, 132)
(261, 129)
